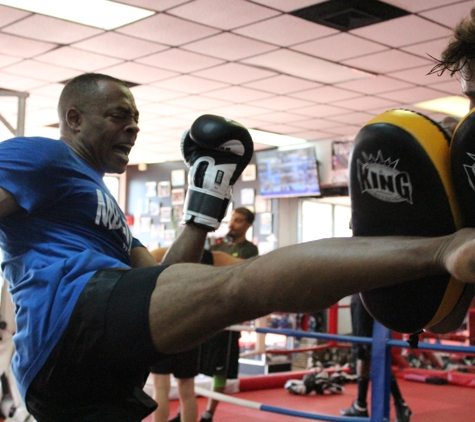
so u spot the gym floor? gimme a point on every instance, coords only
(429, 403)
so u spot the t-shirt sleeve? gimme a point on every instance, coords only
(29, 171)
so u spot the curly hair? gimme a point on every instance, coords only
(460, 50)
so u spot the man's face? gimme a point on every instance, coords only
(108, 129)
(238, 225)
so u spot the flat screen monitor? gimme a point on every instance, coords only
(286, 173)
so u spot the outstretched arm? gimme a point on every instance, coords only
(201, 300)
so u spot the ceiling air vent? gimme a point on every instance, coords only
(345, 15)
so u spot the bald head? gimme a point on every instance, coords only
(81, 93)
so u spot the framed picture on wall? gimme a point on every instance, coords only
(265, 226)
(249, 173)
(154, 208)
(177, 212)
(150, 189)
(247, 196)
(263, 204)
(164, 189)
(178, 177)
(165, 214)
(178, 196)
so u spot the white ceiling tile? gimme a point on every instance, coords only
(449, 15)
(77, 59)
(159, 6)
(276, 128)
(419, 75)
(236, 111)
(426, 49)
(120, 46)
(281, 116)
(162, 109)
(179, 60)
(229, 46)
(366, 103)
(189, 84)
(374, 85)
(298, 64)
(281, 102)
(41, 71)
(326, 94)
(386, 61)
(198, 102)
(358, 118)
(137, 73)
(339, 47)
(238, 94)
(419, 5)
(52, 90)
(411, 95)
(286, 5)
(44, 28)
(167, 30)
(282, 84)
(154, 94)
(234, 73)
(321, 110)
(315, 124)
(451, 86)
(9, 15)
(223, 14)
(22, 47)
(285, 30)
(399, 32)
(8, 60)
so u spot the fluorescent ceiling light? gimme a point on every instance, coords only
(267, 138)
(101, 14)
(455, 105)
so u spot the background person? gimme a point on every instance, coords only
(220, 354)
(362, 326)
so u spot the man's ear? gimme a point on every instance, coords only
(73, 119)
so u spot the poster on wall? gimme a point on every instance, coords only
(150, 189)
(165, 214)
(340, 158)
(164, 189)
(263, 204)
(247, 196)
(265, 226)
(249, 173)
(178, 196)
(178, 177)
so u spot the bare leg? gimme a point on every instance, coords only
(161, 393)
(302, 278)
(188, 404)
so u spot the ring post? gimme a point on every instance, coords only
(380, 374)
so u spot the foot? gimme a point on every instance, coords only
(355, 410)
(403, 413)
(206, 417)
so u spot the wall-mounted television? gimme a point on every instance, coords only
(286, 173)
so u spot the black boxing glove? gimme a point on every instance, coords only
(216, 150)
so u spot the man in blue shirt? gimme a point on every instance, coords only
(93, 309)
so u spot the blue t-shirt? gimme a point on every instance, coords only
(71, 227)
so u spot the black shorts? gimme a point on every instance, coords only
(220, 355)
(97, 371)
(362, 325)
(180, 365)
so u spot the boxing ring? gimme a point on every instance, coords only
(382, 344)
